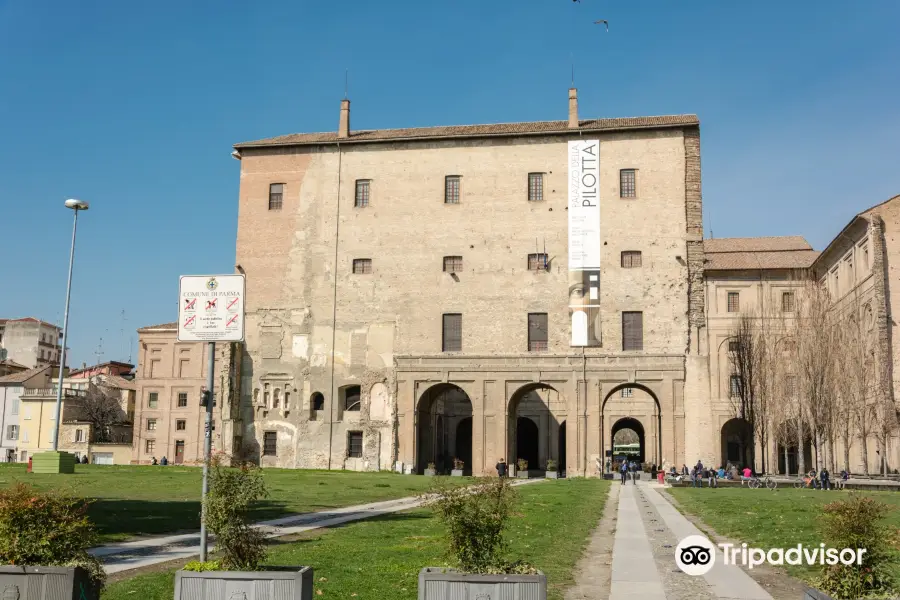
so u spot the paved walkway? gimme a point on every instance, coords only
(145, 552)
(647, 530)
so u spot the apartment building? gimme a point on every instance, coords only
(30, 342)
(12, 386)
(169, 420)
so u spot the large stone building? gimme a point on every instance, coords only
(521, 290)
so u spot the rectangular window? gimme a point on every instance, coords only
(180, 425)
(15, 406)
(787, 302)
(632, 330)
(270, 443)
(182, 399)
(631, 259)
(864, 250)
(735, 386)
(453, 264)
(354, 444)
(150, 446)
(535, 187)
(734, 301)
(361, 199)
(627, 392)
(153, 400)
(537, 262)
(451, 189)
(452, 333)
(79, 435)
(151, 424)
(276, 195)
(12, 432)
(351, 398)
(627, 183)
(734, 345)
(537, 332)
(362, 266)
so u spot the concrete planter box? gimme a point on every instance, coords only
(46, 583)
(551, 475)
(448, 584)
(289, 583)
(430, 472)
(523, 474)
(456, 473)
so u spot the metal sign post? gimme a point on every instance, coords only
(210, 309)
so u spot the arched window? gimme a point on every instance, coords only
(266, 395)
(276, 398)
(287, 398)
(317, 401)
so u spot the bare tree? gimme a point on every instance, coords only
(743, 354)
(816, 367)
(101, 406)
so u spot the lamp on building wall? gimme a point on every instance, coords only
(75, 205)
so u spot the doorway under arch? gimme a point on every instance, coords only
(561, 448)
(440, 414)
(463, 445)
(626, 404)
(737, 443)
(527, 442)
(534, 413)
(628, 439)
(788, 459)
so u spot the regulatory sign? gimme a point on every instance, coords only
(211, 308)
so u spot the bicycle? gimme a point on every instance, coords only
(756, 483)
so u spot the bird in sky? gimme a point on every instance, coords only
(604, 21)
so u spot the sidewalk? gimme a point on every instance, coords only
(647, 530)
(125, 556)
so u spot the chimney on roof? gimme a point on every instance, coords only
(573, 108)
(344, 125)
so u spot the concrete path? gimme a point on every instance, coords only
(647, 530)
(125, 556)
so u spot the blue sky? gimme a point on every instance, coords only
(134, 107)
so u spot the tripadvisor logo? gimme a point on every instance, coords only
(696, 555)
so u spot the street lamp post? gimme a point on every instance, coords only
(75, 205)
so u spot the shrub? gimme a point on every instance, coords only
(551, 465)
(522, 464)
(48, 529)
(231, 492)
(475, 518)
(200, 567)
(458, 464)
(431, 466)
(858, 523)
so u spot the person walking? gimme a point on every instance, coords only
(624, 471)
(824, 479)
(501, 468)
(713, 478)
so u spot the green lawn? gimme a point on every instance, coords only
(380, 558)
(766, 519)
(137, 500)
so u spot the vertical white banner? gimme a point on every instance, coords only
(584, 205)
(584, 242)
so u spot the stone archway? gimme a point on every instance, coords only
(440, 414)
(639, 405)
(534, 414)
(623, 444)
(737, 443)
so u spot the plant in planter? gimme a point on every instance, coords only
(475, 518)
(44, 542)
(458, 467)
(431, 470)
(241, 546)
(551, 472)
(522, 468)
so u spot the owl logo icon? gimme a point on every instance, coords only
(483, 596)
(238, 596)
(10, 592)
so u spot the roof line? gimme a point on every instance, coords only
(840, 234)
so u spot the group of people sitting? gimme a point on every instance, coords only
(164, 461)
(698, 473)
